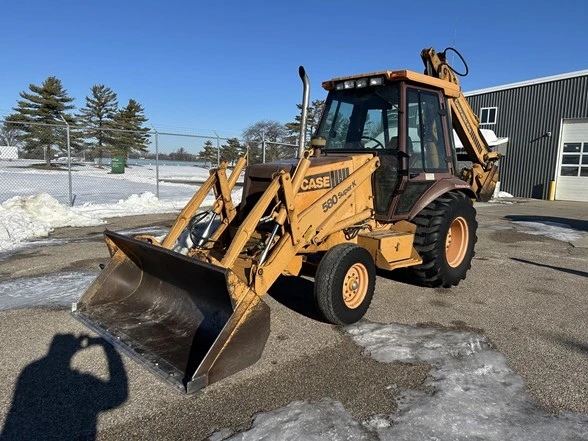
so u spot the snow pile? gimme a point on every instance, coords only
(477, 396)
(26, 217)
(503, 194)
(22, 218)
(145, 203)
(553, 230)
(54, 290)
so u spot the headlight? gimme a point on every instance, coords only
(361, 83)
(376, 81)
(349, 84)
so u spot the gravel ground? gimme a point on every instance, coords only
(527, 293)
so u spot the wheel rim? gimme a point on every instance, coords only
(456, 242)
(355, 285)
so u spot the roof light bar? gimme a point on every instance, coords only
(360, 83)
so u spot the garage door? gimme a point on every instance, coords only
(572, 179)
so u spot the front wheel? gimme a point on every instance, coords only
(344, 283)
(445, 239)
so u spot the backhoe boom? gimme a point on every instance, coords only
(483, 175)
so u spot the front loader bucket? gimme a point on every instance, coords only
(190, 322)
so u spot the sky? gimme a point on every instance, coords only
(206, 67)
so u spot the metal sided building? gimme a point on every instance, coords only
(546, 121)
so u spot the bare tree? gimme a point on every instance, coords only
(9, 133)
(271, 131)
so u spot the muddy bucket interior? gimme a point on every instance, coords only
(174, 314)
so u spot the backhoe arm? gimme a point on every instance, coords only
(483, 175)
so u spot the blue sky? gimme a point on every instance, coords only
(222, 65)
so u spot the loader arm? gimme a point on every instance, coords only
(483, 175)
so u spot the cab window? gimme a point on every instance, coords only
(425, 142)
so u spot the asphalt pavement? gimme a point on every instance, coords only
(527, 293)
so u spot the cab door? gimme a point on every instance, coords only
(427, 156)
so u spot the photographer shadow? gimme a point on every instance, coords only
(54, 401)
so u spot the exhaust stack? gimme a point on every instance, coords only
(305, 99)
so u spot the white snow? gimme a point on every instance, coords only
(301, 420)
(35, 202)
(553, 230)
(59, 289)
(26, 217)
(98, 185)
(477, 396)
(22, 218)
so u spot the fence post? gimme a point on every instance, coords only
(156, 163)
(68, 160)
(217, 149)
(263, 147)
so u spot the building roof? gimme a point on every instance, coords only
(564, 76)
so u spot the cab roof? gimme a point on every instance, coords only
(450, 89)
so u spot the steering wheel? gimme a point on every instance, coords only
(373, 139)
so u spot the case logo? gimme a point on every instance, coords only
(324, 180)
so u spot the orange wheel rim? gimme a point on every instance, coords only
(456, 242)
(355, 285)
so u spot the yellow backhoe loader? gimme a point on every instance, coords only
(379, 188)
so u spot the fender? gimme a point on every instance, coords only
(439, 189)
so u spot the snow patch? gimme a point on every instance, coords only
(145, 203)
(553, 230)
(477, 396)
(302, 420)
(60, 289)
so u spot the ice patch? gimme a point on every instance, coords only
(476, 396)
(553, 230)
(53, 290)
(301, 420)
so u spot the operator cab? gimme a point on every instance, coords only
(404, 123)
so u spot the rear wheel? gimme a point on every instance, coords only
(344, 283)
(445, 239)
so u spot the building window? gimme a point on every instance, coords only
(574, 160)
(488, 115)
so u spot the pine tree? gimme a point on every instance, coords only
(208, 153)
(130, 136)
(231, 151)
(45, 104)
(98, 115)
(313, 117)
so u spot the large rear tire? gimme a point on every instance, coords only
(344, 283)
(445, 239)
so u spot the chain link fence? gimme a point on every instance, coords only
(81, 165)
